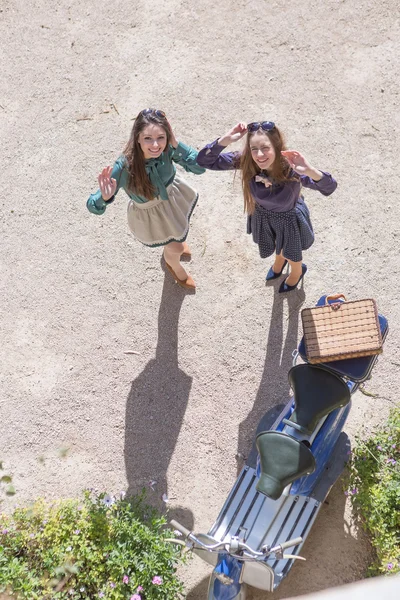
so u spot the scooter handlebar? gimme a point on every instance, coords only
(180, 528)
(290, 543)
(219, 545)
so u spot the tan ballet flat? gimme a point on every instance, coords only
(187, 284)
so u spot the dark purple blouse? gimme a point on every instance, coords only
(279, 197)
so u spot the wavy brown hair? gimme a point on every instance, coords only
(279, 172)
(138, 180)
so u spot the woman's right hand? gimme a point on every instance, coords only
(107, 185)
(233, 135)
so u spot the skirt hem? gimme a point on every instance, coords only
(172, 239)
(162, 221)
(288, 232)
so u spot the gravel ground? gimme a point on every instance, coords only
(78, 292)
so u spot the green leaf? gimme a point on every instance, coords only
(6, 479)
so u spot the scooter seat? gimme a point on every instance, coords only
(317, 392)
(283, 459)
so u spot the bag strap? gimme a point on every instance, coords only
(334, 297)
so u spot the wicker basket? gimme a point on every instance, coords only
(341, 330)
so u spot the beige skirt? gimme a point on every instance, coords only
(159, 222)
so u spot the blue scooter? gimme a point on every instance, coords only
(281, 488)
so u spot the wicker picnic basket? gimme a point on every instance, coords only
(341, 330)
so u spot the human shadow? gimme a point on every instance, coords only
(273, 391)
(155, 407)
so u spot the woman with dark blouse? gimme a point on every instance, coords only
(272, 178)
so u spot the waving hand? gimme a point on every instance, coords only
(107, 184)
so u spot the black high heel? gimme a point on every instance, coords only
(272, 275)
(289, 288)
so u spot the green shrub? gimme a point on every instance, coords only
(100, 547)
(375, 492)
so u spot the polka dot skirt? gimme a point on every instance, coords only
(290, 232)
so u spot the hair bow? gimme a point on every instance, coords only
(263, 179)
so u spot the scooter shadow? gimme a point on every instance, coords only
(273, 391)
(200, 591)
(155, 408)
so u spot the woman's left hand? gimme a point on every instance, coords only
(300, 164)
(172, 139)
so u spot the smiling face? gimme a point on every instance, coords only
(152, 140)
(262, 150)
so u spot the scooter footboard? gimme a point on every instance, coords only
(260, 520)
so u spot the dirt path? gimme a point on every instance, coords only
(78, 292)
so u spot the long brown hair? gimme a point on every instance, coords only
(280, 171)
(138, 180)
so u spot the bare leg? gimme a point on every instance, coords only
(186, 249)
(172, 255)
(278, 264)
(295, 272)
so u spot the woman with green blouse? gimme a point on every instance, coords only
(160, 201)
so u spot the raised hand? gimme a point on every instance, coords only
(106, 183)
(233, 135)
(172, 139)
(300, 164)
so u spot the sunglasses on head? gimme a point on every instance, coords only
(264, 125)
(153, 111)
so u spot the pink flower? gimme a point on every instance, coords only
(139, 588)
(125, 579)
(156, 580)
(136, 597)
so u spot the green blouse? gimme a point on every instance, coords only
(161, 172)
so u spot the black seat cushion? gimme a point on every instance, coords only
(317, 392)
(283, 459)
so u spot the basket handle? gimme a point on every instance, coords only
(334, 297)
